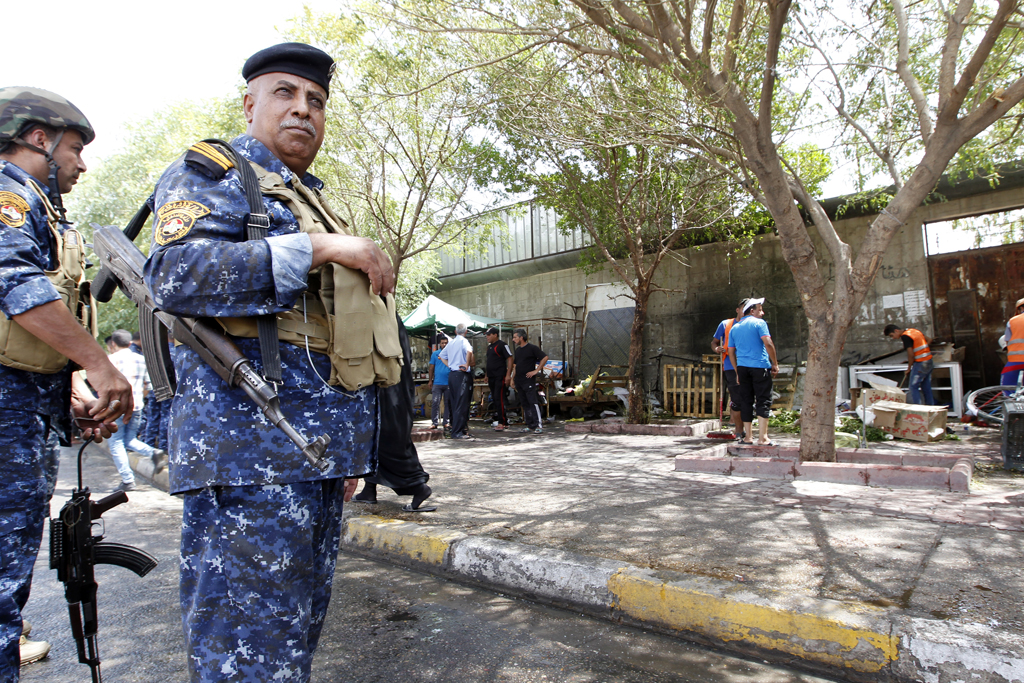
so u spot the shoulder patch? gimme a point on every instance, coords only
(13, 209)
(175, 219)
(207, 157)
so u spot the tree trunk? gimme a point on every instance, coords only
(817, 416)
(637, 401)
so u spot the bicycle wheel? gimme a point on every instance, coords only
(987, 403)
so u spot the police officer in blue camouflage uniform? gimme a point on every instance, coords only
(261, 527)
(41, 140)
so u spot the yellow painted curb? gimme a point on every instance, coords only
(812, 637)
(402, 538)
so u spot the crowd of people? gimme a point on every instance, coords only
(450, 380)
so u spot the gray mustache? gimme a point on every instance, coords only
(299, 123)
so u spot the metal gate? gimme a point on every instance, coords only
(694, 390)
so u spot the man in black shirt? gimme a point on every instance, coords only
(499, 376)
(529, 361)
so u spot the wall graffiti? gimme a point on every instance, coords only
(892, 273)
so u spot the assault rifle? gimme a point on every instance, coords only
(122, 262)
(74, 551)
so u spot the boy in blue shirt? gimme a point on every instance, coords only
(438, 385)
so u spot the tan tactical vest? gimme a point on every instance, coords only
(24, 351)
(343, 318)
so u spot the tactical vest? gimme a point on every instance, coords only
(725, 341)
(24, 351)
(1015, 344)
(921, 350)
(339, 315)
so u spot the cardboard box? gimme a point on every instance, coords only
(909, 421)
(872, 396)
(554, 368)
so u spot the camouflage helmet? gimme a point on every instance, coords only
(22, 107)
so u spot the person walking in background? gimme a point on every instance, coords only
(438, 386)
(133, 366)
(458, 356)
(919, 362)
(752, 353)
(499, 376)
(1014, 346)
(529, 362)
(720, 344)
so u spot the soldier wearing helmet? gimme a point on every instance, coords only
(42, 326)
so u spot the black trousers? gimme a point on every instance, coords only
(498, 398)
(755, 391)
(529, 401)
(460, 384)
(734, 390)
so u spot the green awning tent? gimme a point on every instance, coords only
(434, 315)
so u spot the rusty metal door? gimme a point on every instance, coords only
(963, 318)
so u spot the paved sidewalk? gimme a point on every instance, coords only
(866, 582)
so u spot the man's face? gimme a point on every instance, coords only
(757, 311)
(895, 334)
(444, 342)
(517, 340)
(68, 156)
(491, 337)
(286, 113)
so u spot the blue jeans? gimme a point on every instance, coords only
(126, 434)
(438, 393)
(921, 382)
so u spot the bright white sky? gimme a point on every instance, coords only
(119, 60)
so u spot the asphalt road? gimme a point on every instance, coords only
(386, 623)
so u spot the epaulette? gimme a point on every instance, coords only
(207, 157)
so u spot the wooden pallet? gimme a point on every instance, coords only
(694, 390)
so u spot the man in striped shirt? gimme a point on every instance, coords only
(133, 367)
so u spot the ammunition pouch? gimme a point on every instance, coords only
(342, 318)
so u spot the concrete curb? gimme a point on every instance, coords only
(864, 644)
(616, 425)
(867, 468)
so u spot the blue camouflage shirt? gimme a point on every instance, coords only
(27, 249)
(202, 265)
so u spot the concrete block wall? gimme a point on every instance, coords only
(712, 278)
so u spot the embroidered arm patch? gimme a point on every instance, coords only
(205, 156)
(175, 219)
(13, 209)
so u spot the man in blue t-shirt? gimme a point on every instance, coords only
(720, 344)
(752, 353)
(438, 385)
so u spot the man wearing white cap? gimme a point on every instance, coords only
(752, 353)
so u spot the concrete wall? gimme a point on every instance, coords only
(711, 279)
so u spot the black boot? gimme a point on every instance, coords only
(367, 495)
(417, 500)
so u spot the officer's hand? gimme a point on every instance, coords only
(93, 429)
(350, 488)
(113, 394)
(358, 253)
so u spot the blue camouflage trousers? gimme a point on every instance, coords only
(28, 474)
(257, 564)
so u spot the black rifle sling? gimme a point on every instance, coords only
(257, 228)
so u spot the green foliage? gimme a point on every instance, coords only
(784, 421)
(852, 425)
(398, 157)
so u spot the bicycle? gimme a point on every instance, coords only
(988, 403)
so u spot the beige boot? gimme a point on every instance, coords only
(26, 628)
(33, 650)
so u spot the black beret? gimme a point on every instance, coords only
(292, 58)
